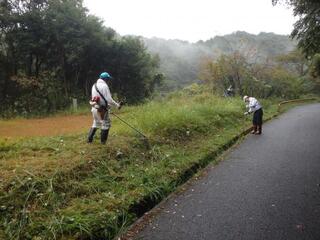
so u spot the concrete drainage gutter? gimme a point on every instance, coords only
(295, 101)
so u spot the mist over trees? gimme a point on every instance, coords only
(307, 28)
(307, 32)
(181, 61)
(282, 78)
(52, 50)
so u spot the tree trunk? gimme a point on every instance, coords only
(29, 65)
(38, 65)
(64, 72)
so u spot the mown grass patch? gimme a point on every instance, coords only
(63, 188)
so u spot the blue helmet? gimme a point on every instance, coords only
(105, 76)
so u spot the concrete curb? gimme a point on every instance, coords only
(295, 101)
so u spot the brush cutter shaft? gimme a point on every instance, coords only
(129, 125)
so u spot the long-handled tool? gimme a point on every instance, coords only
(146, 140)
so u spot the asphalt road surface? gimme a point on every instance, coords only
(266, 188)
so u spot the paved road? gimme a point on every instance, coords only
(267, 188)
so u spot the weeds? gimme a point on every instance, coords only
(62, 188)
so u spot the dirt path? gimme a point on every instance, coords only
(52, 126)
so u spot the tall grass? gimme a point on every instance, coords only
(185, 114)
(64, 188)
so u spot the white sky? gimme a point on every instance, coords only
(191, 20)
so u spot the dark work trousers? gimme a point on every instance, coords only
(257, 117)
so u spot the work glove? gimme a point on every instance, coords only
(246, 113)
(121, 103)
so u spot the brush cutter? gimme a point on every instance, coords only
(144, 138)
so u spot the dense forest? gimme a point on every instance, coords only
(53, 50)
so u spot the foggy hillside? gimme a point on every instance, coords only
(180, 59)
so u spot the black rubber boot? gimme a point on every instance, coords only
(104, 136)
(254, 129)
(91, 134)
(259, 129)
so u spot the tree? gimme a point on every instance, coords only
(315, 71)
(295, 61)
(135, 70)
(259, 80)
(55, 47)
(227, 70)
(307, 28)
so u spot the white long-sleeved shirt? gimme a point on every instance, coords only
(253, 105)
(105, 91)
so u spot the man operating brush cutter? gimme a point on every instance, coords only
(254, 107)
(100, 102)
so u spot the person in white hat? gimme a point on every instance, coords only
(256, 108)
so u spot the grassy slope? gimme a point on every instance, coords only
(59, 187)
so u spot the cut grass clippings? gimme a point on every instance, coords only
(63, 188)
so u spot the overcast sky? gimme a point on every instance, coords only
(191, 20)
